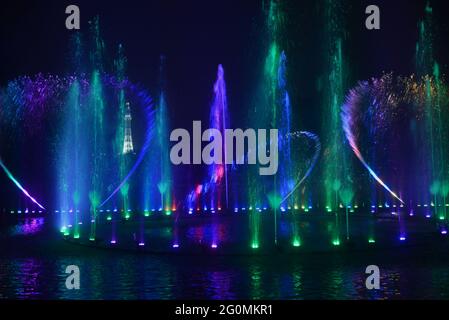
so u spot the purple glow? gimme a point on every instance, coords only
(214, 246)
(176, 245)
(349, 119)
(402, 238)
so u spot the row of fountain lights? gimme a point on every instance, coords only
(295, 243)
(236, 209)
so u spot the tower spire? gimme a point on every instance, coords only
(128, 141)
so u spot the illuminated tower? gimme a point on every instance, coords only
(128, 142)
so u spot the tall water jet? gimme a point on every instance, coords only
(165, 184)
(72, 173)
(218, 173)
(337, 171)
(97, 110)
(121, 150)
(434, 135)
(264, 115)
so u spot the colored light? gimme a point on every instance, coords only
(296, 243)
(18, 185)
(371, 241)
(141, 244)
(402, 238)
(113, 242)
(175, 245)
(336, 242)
(255, 245)
(213, 246)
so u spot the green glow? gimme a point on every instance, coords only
(296, 242)
(255, 245)
(435, 116)
(336, 242)
(371, 241)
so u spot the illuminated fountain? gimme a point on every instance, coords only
(114, 184)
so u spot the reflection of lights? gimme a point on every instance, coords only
(29, 226)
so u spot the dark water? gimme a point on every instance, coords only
(33, 260)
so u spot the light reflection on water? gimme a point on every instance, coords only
(27, 226)
(33, 267)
